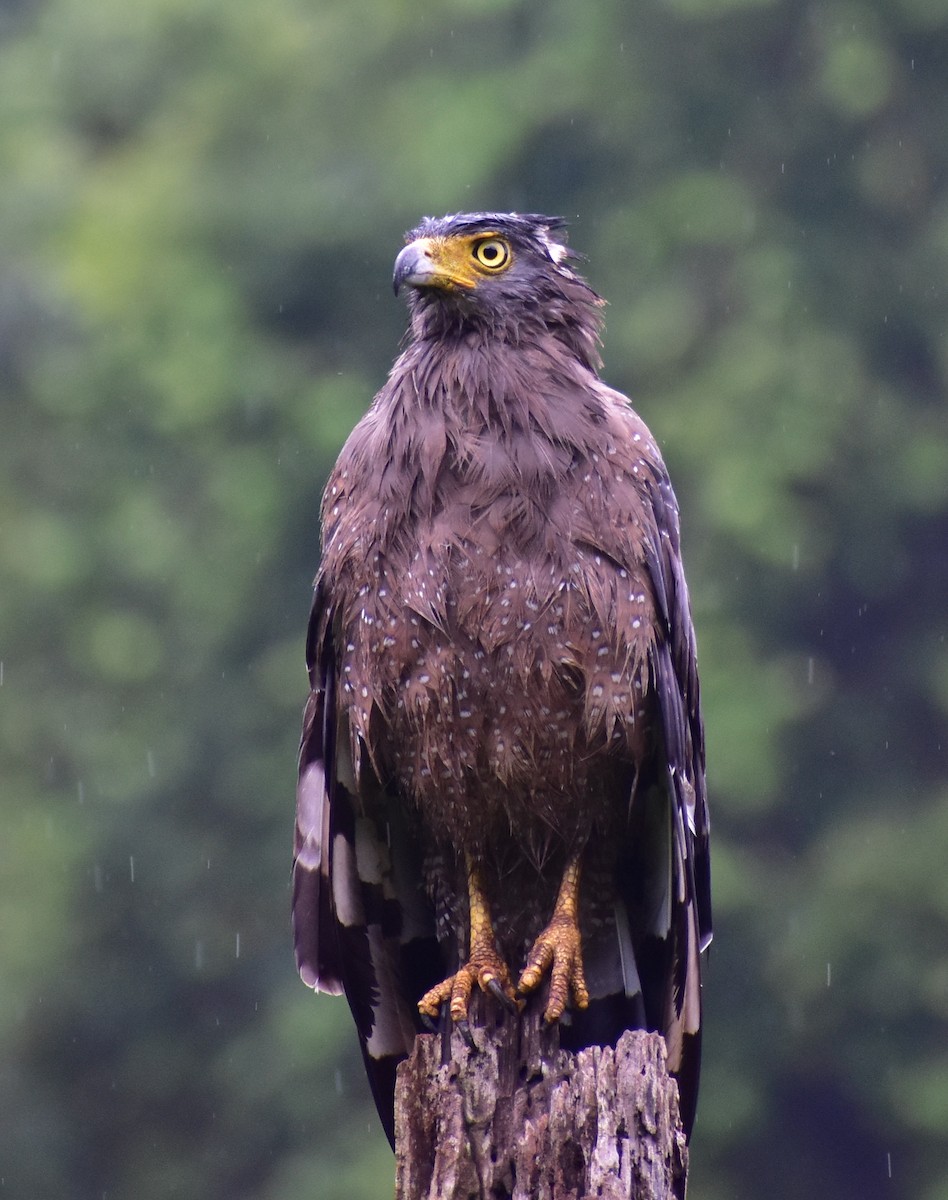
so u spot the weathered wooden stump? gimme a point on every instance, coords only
(514, 1117)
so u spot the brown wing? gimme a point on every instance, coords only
(361, 923)
(674, 672)
(663, 874)
(314, 921)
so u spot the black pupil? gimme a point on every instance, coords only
(490, 252)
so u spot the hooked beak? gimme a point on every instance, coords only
(434, 263)
(414, 266)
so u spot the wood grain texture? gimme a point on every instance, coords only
(514, 1118)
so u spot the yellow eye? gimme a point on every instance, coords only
(492, 253)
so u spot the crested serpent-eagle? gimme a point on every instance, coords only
(502, 779)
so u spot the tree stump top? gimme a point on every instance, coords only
(509, 1115)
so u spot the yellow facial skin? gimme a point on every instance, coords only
(453, 263)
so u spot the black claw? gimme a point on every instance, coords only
(500, 995)
(429, 1023)
(465, 1031)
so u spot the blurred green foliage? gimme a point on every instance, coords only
(200, 207)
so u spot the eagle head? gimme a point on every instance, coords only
(507, 272)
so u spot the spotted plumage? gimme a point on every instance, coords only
(504, 710)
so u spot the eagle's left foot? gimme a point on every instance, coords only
(559, 950)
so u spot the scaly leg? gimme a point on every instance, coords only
(559, 947)
(484, 965)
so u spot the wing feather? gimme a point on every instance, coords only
(362, 924)
(675, 679)
(314, 923)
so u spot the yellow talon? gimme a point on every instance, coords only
(484, 966)
(559, 950)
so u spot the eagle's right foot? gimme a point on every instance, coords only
(488, 971)
(484, 966)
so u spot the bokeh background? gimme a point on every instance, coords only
(200, 203)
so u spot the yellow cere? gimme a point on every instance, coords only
(462, 262)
